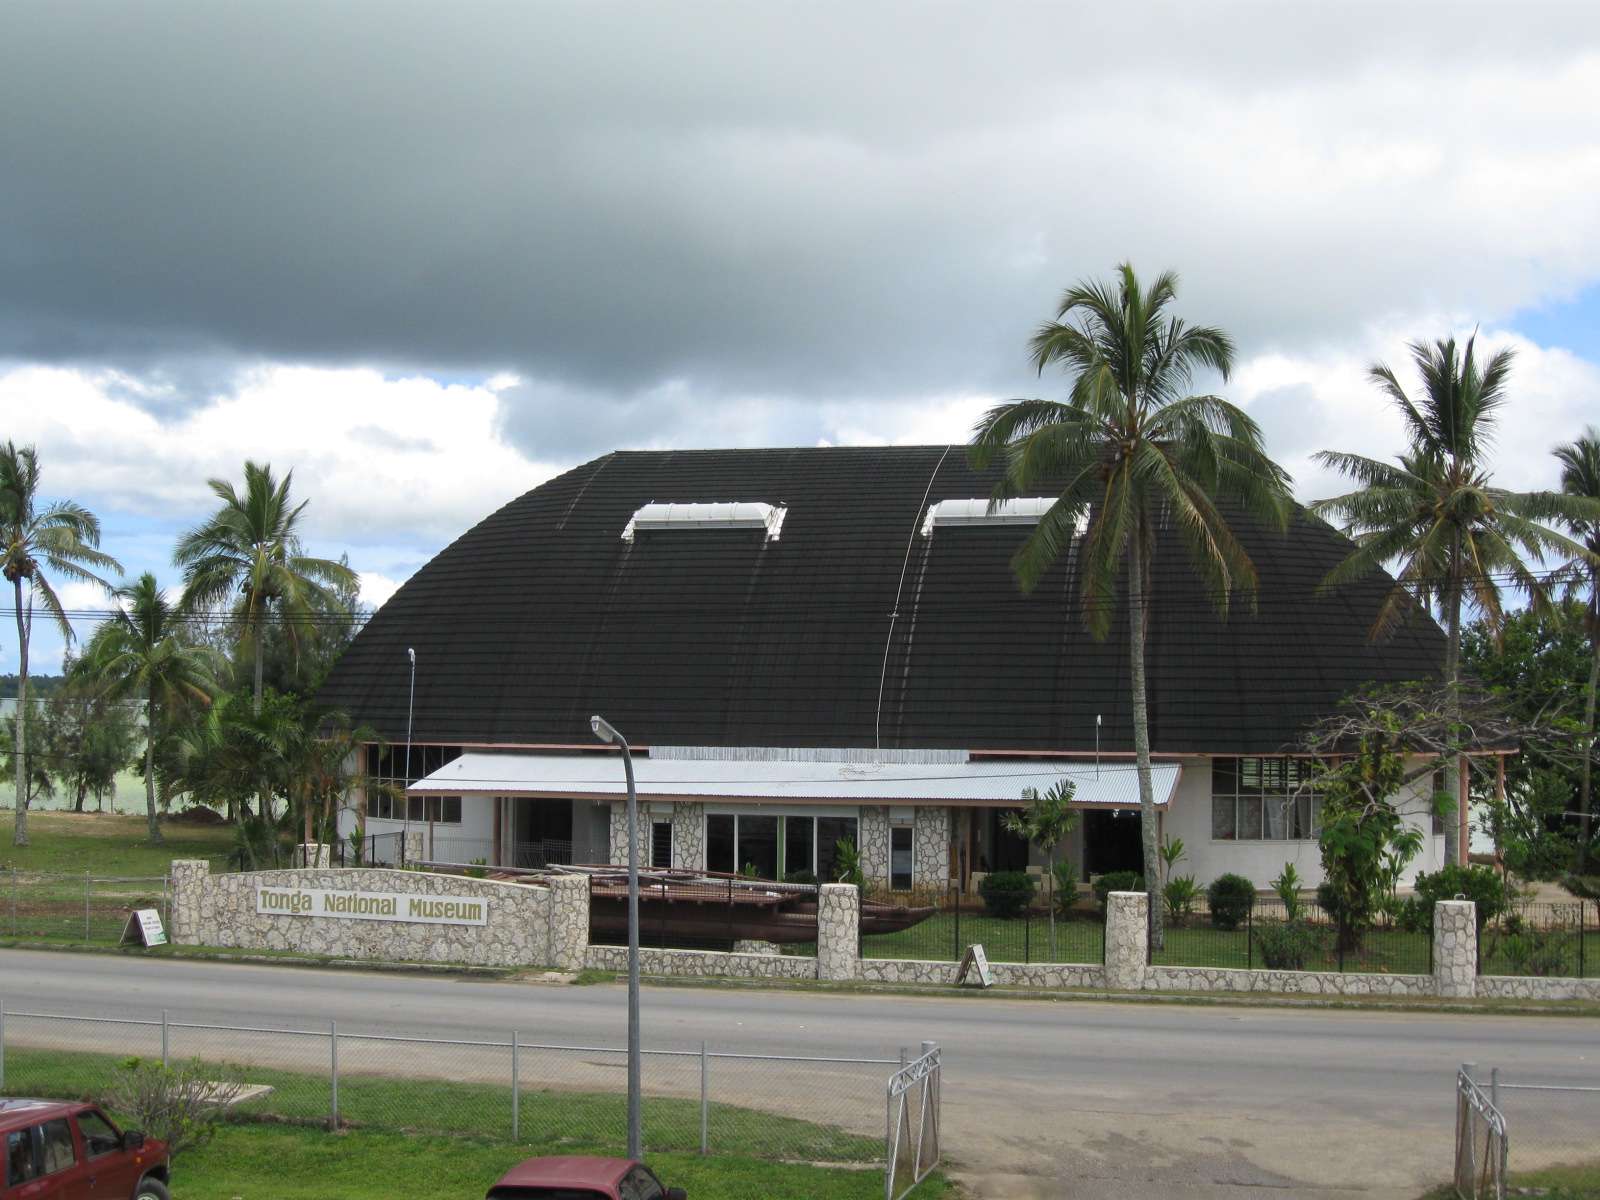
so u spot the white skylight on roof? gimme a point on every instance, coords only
(1023, 510)
(736, 514)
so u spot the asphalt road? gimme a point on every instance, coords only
(1050, 1099)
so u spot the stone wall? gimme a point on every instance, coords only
(689, 837)
(619, 835)
(838, 931)
(930, 848)
(1310, 983)
(699, 963)
(873, 830)
(1527, 987)
(1041, 975)
(220, 910)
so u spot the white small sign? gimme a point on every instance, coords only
(372, 906)
(145, 925)
(975, 958)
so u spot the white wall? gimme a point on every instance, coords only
(1205, 858)
(477, 822)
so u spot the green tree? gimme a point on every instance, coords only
(143, 652)
(1580, 477)
(1436, 513)
(1048, 818)
(250, 549)
(41, 783)
(1127, 451)
(65, 538)
(88, 738)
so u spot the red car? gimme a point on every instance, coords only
(576, 1177)
(72, 1151)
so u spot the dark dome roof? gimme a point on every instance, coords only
(542, 614)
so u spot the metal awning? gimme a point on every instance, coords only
(987, 783)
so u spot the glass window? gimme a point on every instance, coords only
(57, 1147)
(799, 846)
(1224, 821)
(21, 1162)
(1249, 818)
(1277, 810)
(98, 1135)
(758, 845)
(719, 843)
(639, 1184)
(661, 844)
(830, 832)
(900, 857)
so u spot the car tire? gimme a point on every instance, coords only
(151, 1189)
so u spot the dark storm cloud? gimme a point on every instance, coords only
(801, 201)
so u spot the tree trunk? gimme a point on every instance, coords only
(150, 771)
(20, 836)
(1454, 852)
(1585, 780)
(255, 642)
(1141, 735)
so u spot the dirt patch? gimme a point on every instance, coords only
(198, 815)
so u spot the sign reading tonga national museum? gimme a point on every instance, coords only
(371, 906)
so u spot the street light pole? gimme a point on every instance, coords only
(405, 792)
(607, 732)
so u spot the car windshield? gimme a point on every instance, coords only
(639, 1184)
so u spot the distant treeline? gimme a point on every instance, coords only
(38, 686)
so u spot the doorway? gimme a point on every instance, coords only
(1112, 842)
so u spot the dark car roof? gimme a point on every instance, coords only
(543, 614)
(566, 1171)
(17, 1111)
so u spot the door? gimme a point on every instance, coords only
(42, 1163)
(111, 1173)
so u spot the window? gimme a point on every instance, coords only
(661, 844)
(900, 857)
(1264, 799)
(22, 1164)
(388, 778)
(639, 1184)
(778, 847)
(98, 1135)
(56, 1145)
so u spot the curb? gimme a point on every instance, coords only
(200, 954)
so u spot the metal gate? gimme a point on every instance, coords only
(1480, 1172)
(912, 1141)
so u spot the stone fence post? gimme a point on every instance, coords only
(1127, 940)
(189, 877)
(313, 854)
(1455, 948)
(415, 848)
(569, 921)
(838, 931)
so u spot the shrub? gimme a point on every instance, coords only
(1066, 887)
(1007, 893)
(1180, 894)
(847, 863)
(1528, 950)
(479, 869)
(1117, 881)
(181, 1104)
(1328, 901)
(1230, 897)
(1286, 945)
(800, 877)
(1482, 885)
(1287, 886)
(1413, 915)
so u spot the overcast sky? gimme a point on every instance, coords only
(430, 255)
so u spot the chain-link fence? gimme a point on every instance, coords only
(1519, 1135)
(552, 1097)
(76, 909)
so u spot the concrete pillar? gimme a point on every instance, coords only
(1455, 948)
(1127, 939)
(189, 877)
(416, 845)
(620, 836)
(314, 854)
(569, 921)
(930, 849)
(689, 837)
(838, 931)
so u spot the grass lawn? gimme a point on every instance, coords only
(552, 1122)
(251, 1162)
(1552, 1183)
(106, 844)
(939, 939)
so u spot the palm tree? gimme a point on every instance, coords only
(141, 651)
(1455, 536)
(62, 536)
(251, 547)
(1580, 476)
(1129, 450)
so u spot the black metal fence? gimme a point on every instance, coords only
(1275, 936)
(705, 913)
(958, 921)
(1561, 939)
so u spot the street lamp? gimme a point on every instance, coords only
(405, 792)
(606, 732)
